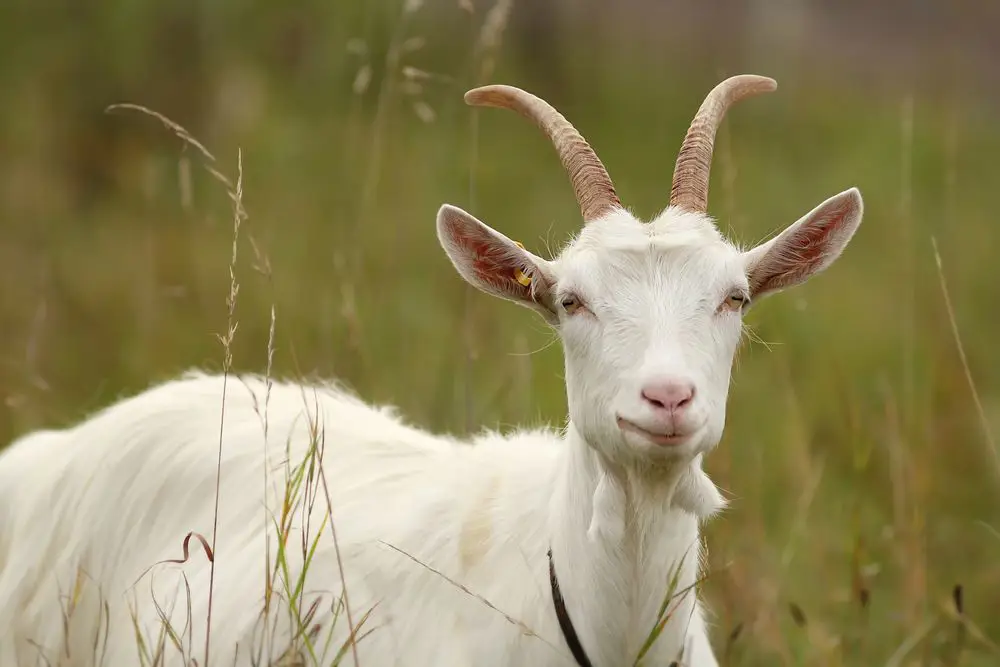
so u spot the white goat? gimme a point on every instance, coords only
(650, 316)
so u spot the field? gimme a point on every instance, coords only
(860, 449)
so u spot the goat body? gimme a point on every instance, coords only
(119, 492)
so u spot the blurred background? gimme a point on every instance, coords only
(860, 460)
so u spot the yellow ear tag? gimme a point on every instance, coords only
(519, 275)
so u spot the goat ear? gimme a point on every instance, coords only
(806, 247)
(493, 263)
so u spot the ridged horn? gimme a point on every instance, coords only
(591, 183)
(694, 162)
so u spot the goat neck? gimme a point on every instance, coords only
(618, 535)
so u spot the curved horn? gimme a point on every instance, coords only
(690, 186)
(591, 183)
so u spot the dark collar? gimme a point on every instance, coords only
(565, 624)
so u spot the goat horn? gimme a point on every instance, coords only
(690, 185)
(591, 183)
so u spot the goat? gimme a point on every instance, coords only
(572, 536)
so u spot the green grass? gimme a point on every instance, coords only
(858, 463)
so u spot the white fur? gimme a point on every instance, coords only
(117, 493)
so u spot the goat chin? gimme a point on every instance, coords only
(427, 528)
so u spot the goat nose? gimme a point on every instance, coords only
(670, 395)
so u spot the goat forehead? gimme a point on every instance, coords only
(641, 259)
(673, 227)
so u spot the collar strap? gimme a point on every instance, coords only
(565, 624)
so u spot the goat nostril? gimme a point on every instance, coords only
(655, 401)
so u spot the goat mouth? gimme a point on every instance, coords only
(666, 439)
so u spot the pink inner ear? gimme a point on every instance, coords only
(812, 241)
(800, 253)
(491, 261)
(485, 260)
(806, 245)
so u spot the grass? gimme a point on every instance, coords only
(859, 449)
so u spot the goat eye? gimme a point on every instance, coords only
(571, 304)
(735, 301)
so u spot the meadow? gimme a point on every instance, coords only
(860, 454)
